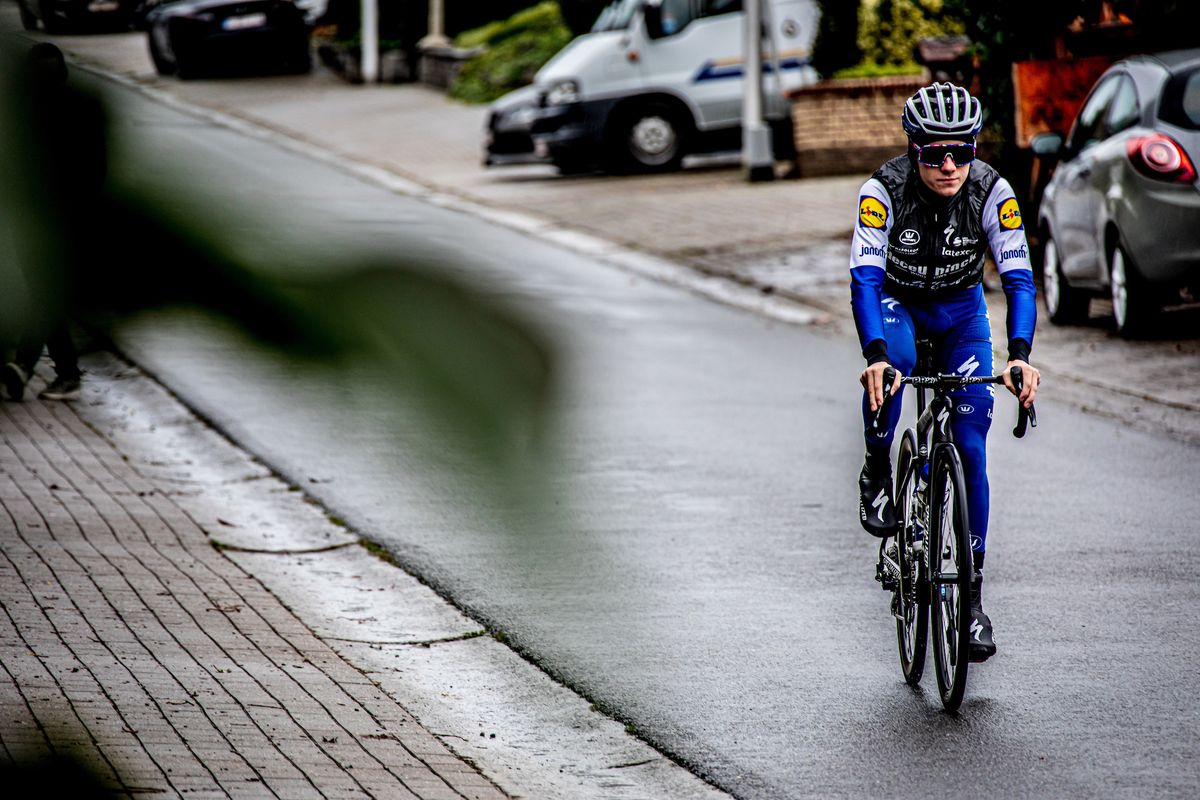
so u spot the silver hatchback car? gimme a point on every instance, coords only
(1121, 214)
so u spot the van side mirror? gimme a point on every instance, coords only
(652, 12)
(1047, 145)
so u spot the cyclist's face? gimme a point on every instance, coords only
(946, 180)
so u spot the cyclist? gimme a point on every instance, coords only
(916, 268)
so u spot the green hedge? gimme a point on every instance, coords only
(513, 51)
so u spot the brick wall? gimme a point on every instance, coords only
(850, 125)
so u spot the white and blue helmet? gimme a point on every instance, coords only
(942, 111)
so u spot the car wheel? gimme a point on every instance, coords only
(1133, 305)
(51, 23)
(648, 138)
(162, 64)
(1064, 304)
(28, 18)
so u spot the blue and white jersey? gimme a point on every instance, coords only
(922, 250)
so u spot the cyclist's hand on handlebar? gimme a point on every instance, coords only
(1030, 378)
(872, 380)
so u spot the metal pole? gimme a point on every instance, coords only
(757, 157)
(437, 29)
(369, 27)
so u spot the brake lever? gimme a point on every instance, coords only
(889, 377)
(1025, 416)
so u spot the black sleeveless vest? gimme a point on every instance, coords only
(935, 247)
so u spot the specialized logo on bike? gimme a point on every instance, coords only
(871, 212)
(1010, 214)
(909, 236)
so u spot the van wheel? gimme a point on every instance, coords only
(648, 138)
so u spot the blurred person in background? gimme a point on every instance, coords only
(65, 167)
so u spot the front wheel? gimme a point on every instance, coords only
(1064, 304)
(951, 568)
(911, 602)
(647, 138)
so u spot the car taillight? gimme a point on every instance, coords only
(1160, 157)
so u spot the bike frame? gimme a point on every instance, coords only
(913, 575)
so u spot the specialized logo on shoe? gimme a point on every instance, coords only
(976, 630)
(880, 503)
(871, 212)
(968, 367)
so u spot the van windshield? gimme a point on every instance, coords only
(616, 16)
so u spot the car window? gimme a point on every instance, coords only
(1181, 100)
(676, 15)
(1084, 132)
(1123, 111)
(711, 8)
(616, 16)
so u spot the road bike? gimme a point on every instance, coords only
(926, 562)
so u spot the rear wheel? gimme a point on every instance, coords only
(911, 606)
(1064, 304)
(951, 569)
(1133, 305)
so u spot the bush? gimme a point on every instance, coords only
(514, 50)
(888, 30)
(869, 70)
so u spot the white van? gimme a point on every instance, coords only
(654, 81)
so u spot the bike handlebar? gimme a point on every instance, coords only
(1026, 417)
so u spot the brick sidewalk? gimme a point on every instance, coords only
(128, 639)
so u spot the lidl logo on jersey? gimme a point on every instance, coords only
(871, 212)
(1010, 214)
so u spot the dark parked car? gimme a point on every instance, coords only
(1121, 214)
(207, 37)
(509, 138)
(60, 16)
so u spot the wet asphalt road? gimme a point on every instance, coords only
(707, 580)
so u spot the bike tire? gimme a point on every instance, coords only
(912, 609)
(949, 551)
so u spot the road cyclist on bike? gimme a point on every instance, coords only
(925, 219)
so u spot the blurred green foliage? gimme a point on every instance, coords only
(871, 70)
(888, 30)
(513, 51)
(140, 239)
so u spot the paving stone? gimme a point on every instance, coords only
(127, 637)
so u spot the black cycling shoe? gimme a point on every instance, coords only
(876, 511)
(982, 645)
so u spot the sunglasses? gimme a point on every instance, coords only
(934, 155)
